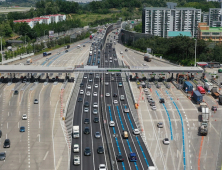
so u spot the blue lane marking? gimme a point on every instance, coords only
(120, 117)
(126, 139)
(144, 156)
(183, 136)
(117, 143)
(168, 115)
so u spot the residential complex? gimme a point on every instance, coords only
(214, 17)
(209, 33)
(159, 20)
(47, 19)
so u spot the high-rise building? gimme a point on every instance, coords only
(159, 20)
(215, 17)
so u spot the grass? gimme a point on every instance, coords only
(86, 18)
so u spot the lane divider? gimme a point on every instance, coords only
(201, 145)
(183, 136)
(117, 143)
(168, 115)
(138, 140)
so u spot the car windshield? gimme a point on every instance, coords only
(160, 123)
(166, 139)
(2, 154)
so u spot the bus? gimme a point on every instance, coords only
(213, 64)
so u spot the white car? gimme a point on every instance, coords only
(107, 94)
(136, 132)
(115, 59)
(107, 73)
(87, 93)
(111, 123)
(86, 109)
(106, 83)
(106, 61)
(95, 104)
(166, 141)
(76, 148)
(81, 92)
(115, 102)
(110, 58)
(121, 52)
(153, 107)
(85, 77)
(96, 86)
(95, 94)
(24, 117)
(146, 90)
(89, 87)
(90, 80)
(144, 64)
(102, 167)
(110, 61)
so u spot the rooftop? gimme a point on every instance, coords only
(178, 33)
(213, 29)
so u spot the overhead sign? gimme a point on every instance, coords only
(51, 33)
(149, 50)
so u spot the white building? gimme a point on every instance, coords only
(159, 20)
(215, 17)
(43, 19)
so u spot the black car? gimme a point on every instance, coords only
(83, 45)
(80, 99)
(86, 121)
(119, 158)
(90, 73)
(2, 156)
(214, 108)
(162, 100)
(100, 150)
(81, 85)
(86, 104)
(0, 133)
(86, 130)
(126, 50)
(96, 120)
(115, 95)
(16, 92)
(87, 152)
(66, 51)
(6, 143)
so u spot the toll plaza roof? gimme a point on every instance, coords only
(95, 69)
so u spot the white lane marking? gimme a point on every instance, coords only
(46, 155)
(58, 164)
(53, 133)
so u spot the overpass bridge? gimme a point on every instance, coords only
(96, 69)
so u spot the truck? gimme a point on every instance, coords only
(197, 96)
(46, 54)
(76, 160)
(29, 61)
(214, 92)
(188, 87)
(201, 89)
(205, 112)
(203, 130)
(147, 57)
(208, 86)
(75, 131)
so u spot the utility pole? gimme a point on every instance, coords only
(195, 52)
(1, 51)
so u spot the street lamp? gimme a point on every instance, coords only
(195, 52)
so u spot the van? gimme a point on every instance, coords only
(122, 97)
(125, 134)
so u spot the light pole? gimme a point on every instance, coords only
(25, 38)
(1, 50)
(195, 52)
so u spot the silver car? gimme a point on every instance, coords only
(95, 111)
(97, 135)
(86, 109)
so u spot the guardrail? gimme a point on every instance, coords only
(17, 58)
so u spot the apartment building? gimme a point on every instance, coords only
(159, 20)
(47, 19)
